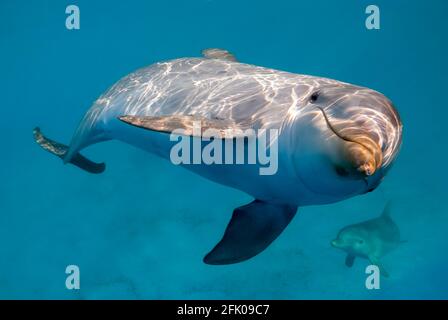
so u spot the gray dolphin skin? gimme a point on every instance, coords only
(370, 239)
(335, 140)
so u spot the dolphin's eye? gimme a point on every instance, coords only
(314, 96)
(341, 171)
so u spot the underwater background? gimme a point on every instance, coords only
(141, 229)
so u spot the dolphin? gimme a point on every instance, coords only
(335, 140)
(371, 239)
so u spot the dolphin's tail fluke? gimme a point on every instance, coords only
(60, 150)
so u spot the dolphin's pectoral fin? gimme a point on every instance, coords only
(349, 260)
(252, 229)
(193, 126)
(60, 150)
(378, 263)
(215, 53)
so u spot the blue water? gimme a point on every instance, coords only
(140, 230)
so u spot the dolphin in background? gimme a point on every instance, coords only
(335, 140)
(371, 239)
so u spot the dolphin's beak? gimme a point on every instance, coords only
(363, 153)
(335, 243)
(359, 148)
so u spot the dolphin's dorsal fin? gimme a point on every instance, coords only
(215, 53)
(252, 229)
(193, 126)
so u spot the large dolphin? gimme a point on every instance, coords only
(335, 140)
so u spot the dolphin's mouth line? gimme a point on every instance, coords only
(338, 134)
